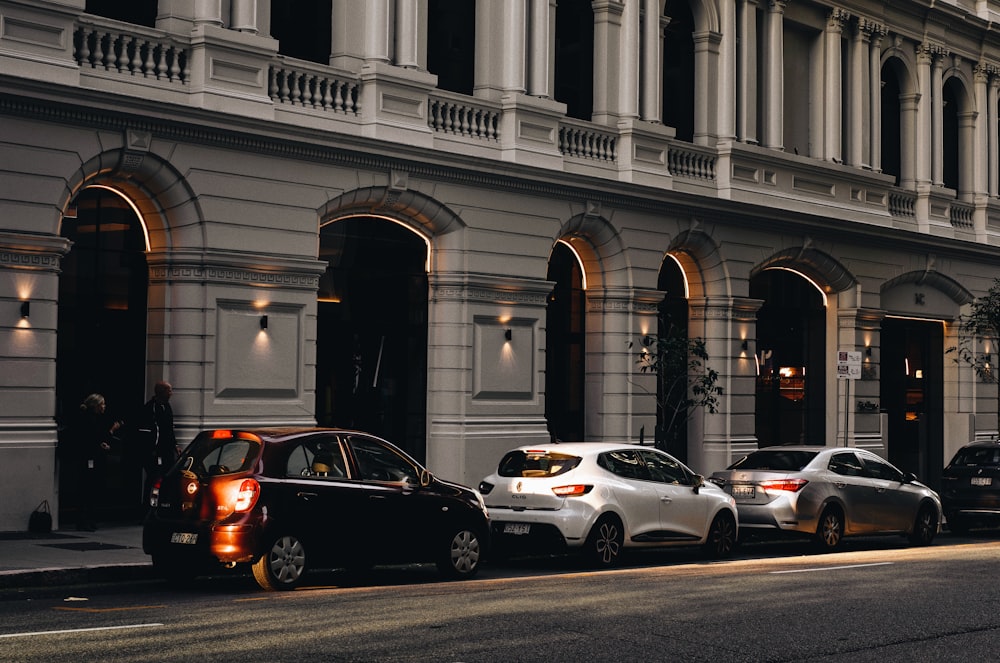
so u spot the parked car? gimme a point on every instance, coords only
(970, 487)
(288, 500)
(601, 498)
(830, 493)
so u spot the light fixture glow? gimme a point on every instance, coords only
(25, 309)
(135, 210)
(579, 262)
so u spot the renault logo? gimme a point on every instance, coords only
(518, 487)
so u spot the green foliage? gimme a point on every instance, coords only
(982, 323)
(684, 380)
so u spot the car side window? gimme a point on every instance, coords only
(317, 457)
(377, 462)
(663, 468)
(879, 470)
(846, 464)
(624, 463)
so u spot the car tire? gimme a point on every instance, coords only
(830, 531)
(282, 565)
(604, 544)
(721, 536)
(461, 554)
(925, 526)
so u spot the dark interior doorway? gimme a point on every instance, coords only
(101, 338)
(565, 331)
(672, 320)
(791, 341)
(912, 395)
(371, 356)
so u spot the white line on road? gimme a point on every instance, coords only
(832, 568)
(77, 630)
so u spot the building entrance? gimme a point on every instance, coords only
(371, 349)
(101, 342)
(912, 395)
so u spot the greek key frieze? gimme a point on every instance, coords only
(496, 295)
(230, 275)
(41, 261)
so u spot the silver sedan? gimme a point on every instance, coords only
(830, 493)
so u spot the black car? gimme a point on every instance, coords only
(970, 487)
(287, 500)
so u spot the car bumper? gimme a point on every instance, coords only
(566, 527)
(778, 516)
(224, 543)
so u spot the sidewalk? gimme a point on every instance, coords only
(68, 557)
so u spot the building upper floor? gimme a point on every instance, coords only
(866, 112)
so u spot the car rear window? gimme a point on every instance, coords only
(212, 454)
(978, 456)
(776, 459)
(521, 463)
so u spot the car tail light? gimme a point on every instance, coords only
(485, 487)
(247, 495)
(791, 485)
(154, 494)
(572, 491)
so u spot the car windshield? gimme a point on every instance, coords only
(519, 463)
(978, 456)
(774, 459)
(215, 455)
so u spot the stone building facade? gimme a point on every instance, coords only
(453, 223)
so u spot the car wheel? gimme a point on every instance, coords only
(282, 564)
(721, 536)
(830, 532)
(958, 525)
(925, 526)
(605, 542)
(461, 554)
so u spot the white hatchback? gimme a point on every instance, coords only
(600, 498)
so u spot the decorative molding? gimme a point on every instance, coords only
(484, 294)
(24, 260)
(232, 275)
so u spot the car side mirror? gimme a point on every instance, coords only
(697, 482)
(425, 478)
(910, 477)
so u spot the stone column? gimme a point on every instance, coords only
(652, 61)
(607, 59)
(981, 144)
(541, 54)
(994, 139)
(858, 402)
(858, 91)
(874, 97)
(773, 84)
(500, 48)
(376, 31)
(723, 86)
(746, 74)
(937, 119)
(832, 97)
(923, 134)
(628, 71)
(407, 34)
(243, 16)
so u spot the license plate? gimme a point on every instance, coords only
(744, 491)
(187, 538)
(516, 529)
(981, 481)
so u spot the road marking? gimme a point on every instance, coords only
(831, 568)
(77, 630)
(133, 607)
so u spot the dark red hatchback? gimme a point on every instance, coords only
(287, 500)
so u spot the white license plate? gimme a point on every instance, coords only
(744, 491)
(188, 538)
(516, 529)
(981, 481)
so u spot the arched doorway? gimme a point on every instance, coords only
(565, 349)
(672, 319)
(101, 336)
(791, 337)
(371, 357)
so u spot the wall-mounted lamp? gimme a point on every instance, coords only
(868, 351)
(263, 322)
(745, 345)
(507, 334)
(25, 309)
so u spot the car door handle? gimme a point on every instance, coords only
(666, 500)
(879, 489)
(839, 484)
(304, 495)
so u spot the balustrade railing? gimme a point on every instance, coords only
(460, 117)
(960, 215)
(587, 142)
(321, 90)
(690, 162)
(147, 54)
(903, 204)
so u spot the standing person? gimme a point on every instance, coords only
(157, 425)
(93, 436)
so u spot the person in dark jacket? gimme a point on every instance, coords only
(92, 439)
(156, 427)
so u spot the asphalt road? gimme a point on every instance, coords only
(872, 602)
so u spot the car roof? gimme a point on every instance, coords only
(281, 433)
(581, 448)
(981, 444)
